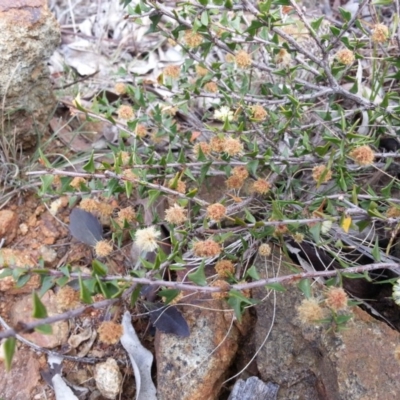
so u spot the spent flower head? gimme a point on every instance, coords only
(363, 155)
(146, 239)
(204, 146)
(318, 171)
(206, 248)
(261, 186)
(216, 211)
(232, 146)
(176, 215)
(258, 112)
(110, 332)
(224, 268)
(217, 144)
(336, 298)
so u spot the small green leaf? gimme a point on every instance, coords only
(238, 302)
(39, 310)
(316, 23)
(89, 166)
(376, 252)
(6, 272)
(305, 286)
(252, 272)
(135, 294)
(346, 15)
(43, 159)
(198, 277)
(84, 292)
(204, 18)
(99, 268)
(278, 287)
(169, 294)
(9, 349)
(46, 329)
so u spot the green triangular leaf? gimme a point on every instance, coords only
(9, 349)
(39, 310)
(198, 277)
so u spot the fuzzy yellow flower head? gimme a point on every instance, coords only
(110, 332)
(283, 58)
(192, 39)
(120, 88)
(345, 56)
(336, 298)
(211, 87)
(125, 112)
(363, 155)
(224, 286)
(243, 59)
(393, 212)
(298, 237)
(224, 268)
(67, 298)
(318, 171)
(103, 248)
(216, 211)
(259, 113)
(380, 33)
(261, 186)
(172, 71)
(264, 250)
(141, 130)
(201, 71)
(77, 182)
(206, 248)
(176, 215)
(146, 239)
(224, 114)
(310, 311)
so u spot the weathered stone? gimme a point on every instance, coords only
(8, 225)
(312, 362)
(23, 378)
(29, 36)
(195, 366)
(108, 378)
(22, 312)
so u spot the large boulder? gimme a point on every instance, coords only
(30, 33)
